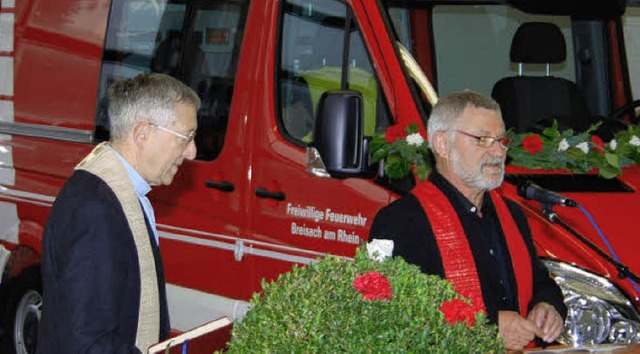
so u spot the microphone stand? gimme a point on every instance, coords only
(623, 270)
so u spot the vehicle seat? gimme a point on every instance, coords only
(530, 103)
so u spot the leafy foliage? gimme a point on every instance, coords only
(403, 149)
(576, 152)
(316, 309)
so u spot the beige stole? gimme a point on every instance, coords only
(103, 163)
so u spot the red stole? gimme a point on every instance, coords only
(457, 259)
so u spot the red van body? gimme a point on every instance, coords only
(255, 208)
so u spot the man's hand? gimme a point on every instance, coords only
(516, 331)
(547, 319)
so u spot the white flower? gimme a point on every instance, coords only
(564, 145)
(635, 141)
(379, 249)
(613, 144)
(584, 146)
(415, 139)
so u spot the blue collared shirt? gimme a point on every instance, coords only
(141, 187)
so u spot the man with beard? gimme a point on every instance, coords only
(454, 224)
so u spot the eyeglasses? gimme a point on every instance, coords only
(187, 138)
(487, 141)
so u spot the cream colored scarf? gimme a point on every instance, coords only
(103, 163)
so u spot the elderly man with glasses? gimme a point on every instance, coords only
(103, 279)
(454, 224)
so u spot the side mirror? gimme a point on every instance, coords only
(338, 133)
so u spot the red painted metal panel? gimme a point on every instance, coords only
(58, 47)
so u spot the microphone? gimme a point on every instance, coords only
(530, 190)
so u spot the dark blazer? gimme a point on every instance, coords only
(90, 273)
(405, 222)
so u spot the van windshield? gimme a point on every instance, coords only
(581, 67)
(471, 43)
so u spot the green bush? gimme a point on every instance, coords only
(317, 309)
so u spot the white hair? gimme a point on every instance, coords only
(152, 97)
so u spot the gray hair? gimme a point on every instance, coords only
(147, 97)
(448, 110)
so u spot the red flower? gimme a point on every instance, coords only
(532, 144)
(476, 301)
(373, 285)
(394, 132)
(457, 310)
(597, 142)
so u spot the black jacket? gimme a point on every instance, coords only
(90, 273)
(405, 222)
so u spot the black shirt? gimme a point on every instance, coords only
(404, 221)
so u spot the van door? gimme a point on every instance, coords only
(295, 215)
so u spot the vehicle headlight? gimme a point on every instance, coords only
(597, 311)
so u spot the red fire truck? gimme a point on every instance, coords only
(263, 194)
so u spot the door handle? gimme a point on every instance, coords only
(263, 193)
(223, 186)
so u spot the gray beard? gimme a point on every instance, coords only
(475, 178)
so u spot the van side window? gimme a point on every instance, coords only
(313, 60)
(197, 42)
